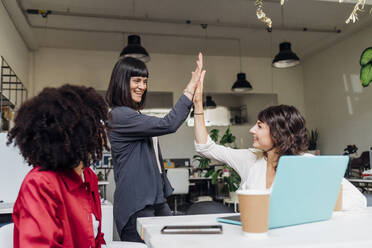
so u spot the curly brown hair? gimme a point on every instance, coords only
(61, 127)
(287, 129)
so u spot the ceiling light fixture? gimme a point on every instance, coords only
(209, 103)
(241, 84)
(135, 50)
(286, 58)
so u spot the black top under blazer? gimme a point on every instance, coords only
(137, 177)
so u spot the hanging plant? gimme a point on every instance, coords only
(261, 14)
(359, 7)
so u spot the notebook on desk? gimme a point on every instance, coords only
(305, 190)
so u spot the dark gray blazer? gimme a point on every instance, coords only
(137, 177)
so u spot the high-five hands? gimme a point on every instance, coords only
(195, 78)
(198, 96)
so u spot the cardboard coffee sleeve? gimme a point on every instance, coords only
(254, 210)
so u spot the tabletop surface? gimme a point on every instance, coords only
(6, 207)
(360, 180)
(344, 229)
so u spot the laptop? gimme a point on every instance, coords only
(305, 190)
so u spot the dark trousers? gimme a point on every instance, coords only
(129, 232)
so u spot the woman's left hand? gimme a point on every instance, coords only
(198, 96)
(195, 78)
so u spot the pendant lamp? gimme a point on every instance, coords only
(135, 50)
(241, 84)
(209, 103)
(285, 58)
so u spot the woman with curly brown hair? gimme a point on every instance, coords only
(60, 133)
(279, 130)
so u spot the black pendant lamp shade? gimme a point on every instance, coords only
(285, 58)
(241, 84)
(210, 104)
(135, 50)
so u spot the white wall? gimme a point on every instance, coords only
(12, 47)
(335, 101)
(54, 67)
(13, 169)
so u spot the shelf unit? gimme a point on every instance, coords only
(243, 107)
(238, 115)
(12, 93)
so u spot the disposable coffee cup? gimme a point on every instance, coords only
(338, 205)
(254, 212)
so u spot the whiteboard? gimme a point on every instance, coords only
(13, 169)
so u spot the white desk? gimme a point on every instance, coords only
(107, 221)
(364, 184)
(345, 229)
(6, 208)
(199, 178)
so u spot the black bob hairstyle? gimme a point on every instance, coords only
(287, 129)
(118, 92)
(61, 127)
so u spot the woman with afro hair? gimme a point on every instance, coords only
(60, 133)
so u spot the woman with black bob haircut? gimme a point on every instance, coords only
(60, 133)
(141, 184)
(119, 92)
(279, 130)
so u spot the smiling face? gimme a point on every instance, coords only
(138, 86)
(261, 136)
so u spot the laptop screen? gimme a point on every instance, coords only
(305, 189)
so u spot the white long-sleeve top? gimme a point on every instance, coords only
(251, 165)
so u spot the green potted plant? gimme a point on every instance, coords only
(229, 177)
(313, 142)
(205, 162)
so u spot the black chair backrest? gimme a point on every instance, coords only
(208, 207)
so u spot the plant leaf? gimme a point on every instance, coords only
(214, 134)
(227, 138)
(366, 75)
(366, 56)
(209, 173)
(215, 176)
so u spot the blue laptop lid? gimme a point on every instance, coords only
(305, 189)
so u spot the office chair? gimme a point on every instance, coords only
(208, 207)
(179, 179)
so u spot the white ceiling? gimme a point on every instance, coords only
(104, 25)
